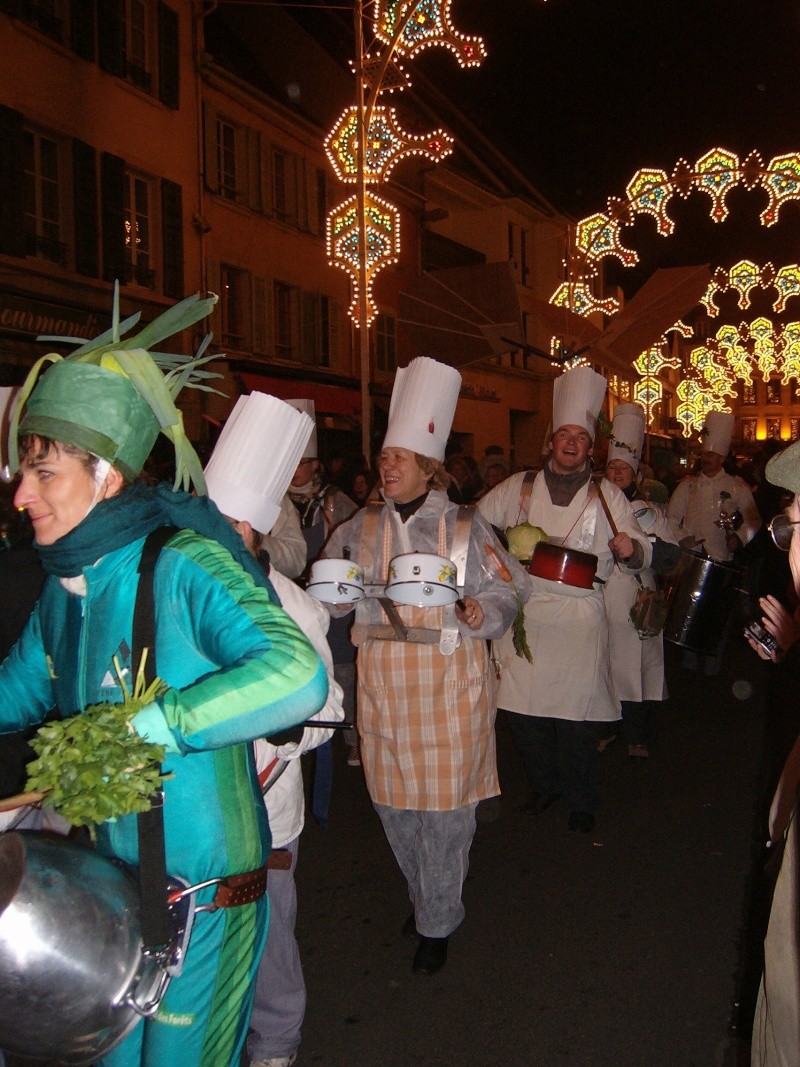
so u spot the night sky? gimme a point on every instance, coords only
(583, 93)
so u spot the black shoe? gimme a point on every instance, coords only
(409, 928)
(431, 955)
(581, 820)
(539, 803)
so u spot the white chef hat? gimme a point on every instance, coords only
(307, 406)
(577, 399)
(627, 435)
(255, 457)
(423, 404)
(717, 432)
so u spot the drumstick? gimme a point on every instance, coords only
(21, 800)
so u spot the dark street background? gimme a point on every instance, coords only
(619, 947)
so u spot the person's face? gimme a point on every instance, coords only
(57, 492)
(306, 469)
(620, 473)
(402, 477)
(360, 487)
(495, 473)
(570, 447)
(711, 463)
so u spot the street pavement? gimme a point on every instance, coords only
(618, 947)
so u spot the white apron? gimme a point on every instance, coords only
(567, 631)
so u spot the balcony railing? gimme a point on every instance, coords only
(46, 248)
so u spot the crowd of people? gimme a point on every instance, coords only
(555, 580)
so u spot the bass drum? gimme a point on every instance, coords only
(704, 595)
(74, 979)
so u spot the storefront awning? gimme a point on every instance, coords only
(328, 399)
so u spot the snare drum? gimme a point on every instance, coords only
(703, 597)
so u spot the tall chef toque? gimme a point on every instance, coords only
(627, 435)
(240, 480)
(310, 451)
(577, 399)
(717, 432)
(113, 395)
(423, 404)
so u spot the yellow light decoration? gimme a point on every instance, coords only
(383, 76)
(716, 173)
(763, 334)
(791, 352)
(744, 277)
(787, 282)
(648, 392)
(383, 244)
(428, 25)
(681, 329)
(386, 145)
(579, 299)
(598, 236)
(782, 182)
(648, 193)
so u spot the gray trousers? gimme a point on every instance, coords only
(432, 851)
(345, 675)
(280, 999)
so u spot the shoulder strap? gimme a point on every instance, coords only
(525, 491)
(460, 546)
(150, 823)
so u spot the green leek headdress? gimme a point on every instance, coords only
(113, 395)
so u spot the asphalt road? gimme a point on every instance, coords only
(616, 948)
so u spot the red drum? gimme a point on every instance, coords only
(565, 565)
(704, 596)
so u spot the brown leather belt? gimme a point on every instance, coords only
(237, 889)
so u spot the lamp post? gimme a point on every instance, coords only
(367, 142)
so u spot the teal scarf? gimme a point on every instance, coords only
(132, 514)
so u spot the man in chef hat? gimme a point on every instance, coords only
(249, 492)
(713, 507)
(425, 703)
(556, 700)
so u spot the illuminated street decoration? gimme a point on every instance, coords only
(763, 335)
(650, 192)
(383, 244)
(787, 282)
(428, 26)
(579, 298)
(367, 142)
(386, 145)
(695, 403)
(648, 392)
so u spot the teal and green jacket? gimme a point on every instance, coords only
(236, 666)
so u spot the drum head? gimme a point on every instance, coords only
(12, 868)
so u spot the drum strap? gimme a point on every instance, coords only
(152, 854)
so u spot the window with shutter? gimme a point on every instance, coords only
(262, 317)
(12, 232)
(172, 238)
(138, 210)
(168, 57)
(43, 185)
(235, 311)
(112, 213)
(81, 28)
(84, 209)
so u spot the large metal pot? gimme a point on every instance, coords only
(705, 594)
(74, 979)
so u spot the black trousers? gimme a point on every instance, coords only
(560, 756)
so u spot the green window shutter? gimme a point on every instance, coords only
(109, 36)
(81, 28)
(112, 171)
(12, 210)
(213, 286)
(84, 199)
(172, 238)
(254, 201)
(168, 57)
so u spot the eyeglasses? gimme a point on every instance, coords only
(781, 531)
